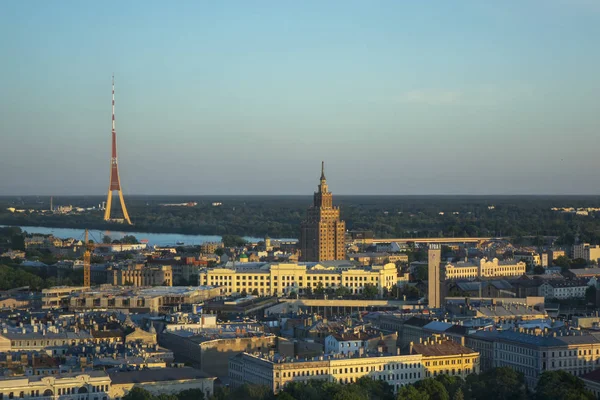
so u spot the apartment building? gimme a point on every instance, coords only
(561, 289)
(398, 370)
(484, 268)
(534, 351)
(92, 385)
(274, 279)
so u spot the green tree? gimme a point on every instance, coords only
(219, 251)
(106, 239)
(233, 241)
(285, 396)
(410, 392)
(252, 392)
(255, 292)
(342, 291)
(451, 383)
(421, 273)
(370, 291)
(129, 239)
(458, 395)
(351, 392)
(562, 261)
(578, 263)
(320, 290)
(221, 393)
(138, 393)
(501, 383)
(17, 242)
(560, 385)
(191, 394)
(539, 270)
(434, 389)
(377, 390)
(590, 295)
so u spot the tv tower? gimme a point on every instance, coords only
(114, 183)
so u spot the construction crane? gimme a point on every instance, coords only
(87, 259)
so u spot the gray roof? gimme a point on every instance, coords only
(533, 340)
(157, 375)
(438, 326)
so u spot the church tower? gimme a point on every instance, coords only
(322, 234)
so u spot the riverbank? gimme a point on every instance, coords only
(153, 238)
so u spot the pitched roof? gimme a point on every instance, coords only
(444, 348)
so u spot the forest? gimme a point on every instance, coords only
(515, 217)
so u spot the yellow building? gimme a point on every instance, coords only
(274, 279)
(484, 269)
(440, 357)
(443, 356)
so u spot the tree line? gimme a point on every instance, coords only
(496, 384)
(519, 217)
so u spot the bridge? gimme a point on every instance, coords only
(444, 240)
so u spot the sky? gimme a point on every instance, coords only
(247, 97)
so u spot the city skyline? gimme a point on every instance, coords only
(476, 98)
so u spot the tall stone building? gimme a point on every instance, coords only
(322, 233)
(434, 295)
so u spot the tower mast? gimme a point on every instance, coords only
(115, 183)
(87, 258)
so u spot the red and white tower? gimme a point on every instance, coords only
(115, 183)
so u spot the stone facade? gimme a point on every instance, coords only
(322, 234)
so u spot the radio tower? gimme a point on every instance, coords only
(115, 183)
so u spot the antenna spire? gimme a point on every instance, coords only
(113, 103)
(322, 170)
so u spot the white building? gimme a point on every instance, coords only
(90, 385)
(563, 289)
(345, 343)
(484, 268)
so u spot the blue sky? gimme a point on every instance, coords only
(247, 97)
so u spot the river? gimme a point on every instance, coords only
(159, 239)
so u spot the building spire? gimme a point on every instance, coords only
(322, 170)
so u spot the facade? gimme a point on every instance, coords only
(532, 258)
(563, 289)
(91, 385)
(276, 372)
(58, 296)
(484, 269)
(160, 381)
(578, 250)
(554, 254)
(22, 339)
(345, 343)
(591, 253)
(398, 370)
(322, 234)
(141, 275)
(210, 247)
(534, 351)
(378, 258)
(154, 300)
(276, 279)
(210, 349)
(434, 280)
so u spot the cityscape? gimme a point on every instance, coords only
(440, 257)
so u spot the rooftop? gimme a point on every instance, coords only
(157, 375)
(440, 348)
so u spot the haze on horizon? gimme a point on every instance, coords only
(439, 97)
